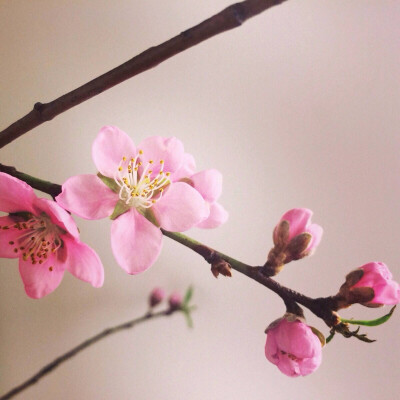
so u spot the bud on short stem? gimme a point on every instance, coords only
(175, 301)
(157, 295)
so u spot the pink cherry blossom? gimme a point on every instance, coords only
(45, 239)
(300, 222)
(139, 191)
(293, 347)
(157, 295)
(209, 184)
(378, 277)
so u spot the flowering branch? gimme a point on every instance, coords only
(85, 344)
(322, 307)
(229, 18)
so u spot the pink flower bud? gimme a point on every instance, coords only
(293, 347)
(175, 301)
(157, 295)
(376, 275)
(299, 220)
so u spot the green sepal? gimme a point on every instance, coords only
(188, 318)
(187, 180)
(148, 213)
(320, 336)
(25, 215)
(109, 182)
(188, 296)
(330, 337)
(373, 322)
(186, 308)
(120, 208)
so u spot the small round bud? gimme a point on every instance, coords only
(157, 295)
(175, 301)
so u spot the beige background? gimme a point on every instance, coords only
(297, 108)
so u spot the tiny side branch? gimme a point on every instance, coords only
(85, 344)
(229, 18)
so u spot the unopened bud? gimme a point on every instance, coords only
(221, 267)
(281, 234)
(294, 237)
(157, 295)
(175, 301)
(370, 285)
(297, 247)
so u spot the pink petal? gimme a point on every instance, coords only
(159, 148)
(298, 219)
(87, 196)
(83, 262)
(38, 279)
(15, 195)
(309, 365)
(316, 232)
(57, 215)
(388, 293)
(187, 168)
(288, 366)
(271, 348)
(218, 216)
(208, 183)
(135, 241)
(7, 236)
(180, 208)
(110, 145)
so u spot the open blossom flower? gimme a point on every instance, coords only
(293, 347)
(137, 188)
(299, 220)
(45, 239)
(376, 275)
(209, 184)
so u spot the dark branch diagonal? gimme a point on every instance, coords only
(229, 18)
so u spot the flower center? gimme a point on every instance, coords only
(140, 187)
(39, 237)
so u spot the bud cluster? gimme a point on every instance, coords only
(292, 345)
(158, 295)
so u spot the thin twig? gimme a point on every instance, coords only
(229, 18)
(85, 344)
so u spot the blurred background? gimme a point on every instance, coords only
(299, 107)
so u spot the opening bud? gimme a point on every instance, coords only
(293, 346)
(370, 285)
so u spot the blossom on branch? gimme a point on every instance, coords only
(293, 347)
(209, 184)
(45, 238)
(141, 189)
(373, 277)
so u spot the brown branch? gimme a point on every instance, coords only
(85, 344)
(229, 18)
(323, 307)
(53, 189)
